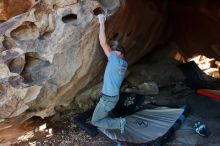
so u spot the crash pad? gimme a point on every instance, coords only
(147, 124)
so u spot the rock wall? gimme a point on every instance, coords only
(51, 53)
(10, 8)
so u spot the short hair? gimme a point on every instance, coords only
(116, 46)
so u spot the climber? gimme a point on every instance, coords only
(113, 77)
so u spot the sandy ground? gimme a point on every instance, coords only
(59, 130)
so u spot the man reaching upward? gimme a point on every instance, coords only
(113, 77)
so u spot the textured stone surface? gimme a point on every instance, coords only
(51, 53)
(10, 8)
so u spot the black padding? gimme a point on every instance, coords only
(83, 121)
(128, 104)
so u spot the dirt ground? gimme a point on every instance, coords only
(60, 129)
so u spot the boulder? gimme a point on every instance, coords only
(10, 8)
(51, 53)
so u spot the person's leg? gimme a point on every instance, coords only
(100, 116)
(99, 112)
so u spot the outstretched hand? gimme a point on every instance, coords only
(102, 18)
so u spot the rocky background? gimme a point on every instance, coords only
(50, 53)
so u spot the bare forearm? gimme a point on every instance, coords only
(102, 36)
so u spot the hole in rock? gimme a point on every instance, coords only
(98, 11)
(8, 43)
(55, 6)
(69, 18)
(16, 65)
(35, 70)
(27, 31)
(45, 36)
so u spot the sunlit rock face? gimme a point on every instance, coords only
(51, 53)
(10, 8)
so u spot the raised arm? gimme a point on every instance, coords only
(102, 37)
